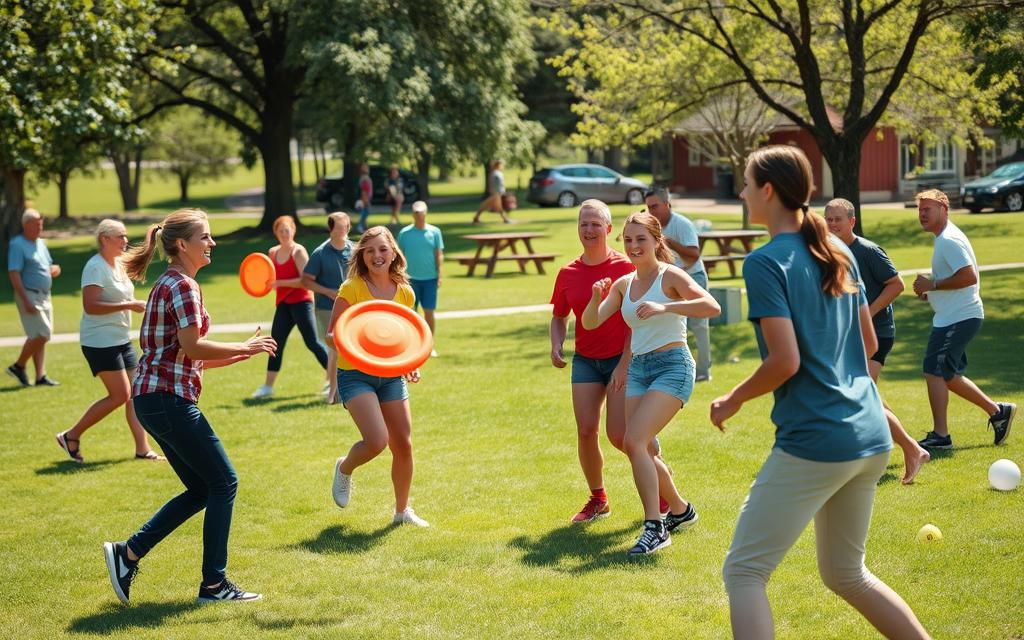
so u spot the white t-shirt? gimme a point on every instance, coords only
(108, 329)
(682, 231)
(953, 252)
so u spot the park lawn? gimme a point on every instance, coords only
(497, 478)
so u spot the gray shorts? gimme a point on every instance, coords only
(40, 323)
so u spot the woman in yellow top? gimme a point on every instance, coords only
(379, 406)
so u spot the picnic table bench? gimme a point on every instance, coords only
(728, 251)
(499, 242)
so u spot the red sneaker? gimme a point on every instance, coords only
(663, 506)
(594, 509)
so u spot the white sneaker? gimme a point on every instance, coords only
(263, 392)
(433, 353)
(341, 489)
(326, 388)
(409, 517)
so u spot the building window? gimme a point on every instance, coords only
(701, 155)
(932, 157)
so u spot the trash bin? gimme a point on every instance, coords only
(731, 301)
(724, 185)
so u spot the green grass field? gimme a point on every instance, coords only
(497, 478)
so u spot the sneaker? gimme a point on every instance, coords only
(409, 517)
(933, 440)
(433, 353)
(262, 392)
(226, 591)
(594, 509)
(341, 489)
(46, 381)
(653, 537)
(63, 442)
(702, 377)
(122, 570)
(683, 522)
(1001, 422)
(18, 373)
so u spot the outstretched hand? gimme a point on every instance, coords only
(260, 344)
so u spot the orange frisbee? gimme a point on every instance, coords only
(257, 274)
(383, 338)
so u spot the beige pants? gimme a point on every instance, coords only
(40, 323)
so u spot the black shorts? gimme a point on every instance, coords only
(884, 347)
(116, 358)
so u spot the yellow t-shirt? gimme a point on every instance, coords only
(355, 290)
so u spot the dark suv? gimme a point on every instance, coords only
(329, 190)
(1001, 189)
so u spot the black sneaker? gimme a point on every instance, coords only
(46, 382)
(226, 591)
(683, 522)
(1001, 422)
(933, 440)
(18, 373)
(653, 537)
(122, 570)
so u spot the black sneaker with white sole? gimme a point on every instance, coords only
(226, 591)
(1002, 421)
(18, 373)
(933, 440)
(683, 522)
(653, 537)
(122, 570)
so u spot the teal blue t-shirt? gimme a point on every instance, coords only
(419, 247)
(830, 410)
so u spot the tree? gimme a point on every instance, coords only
(837, 70)
(996, 39)
(193, 148)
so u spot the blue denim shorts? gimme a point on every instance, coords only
(352, 383)
(669, 371)
(586, 370)
(426, 293)
(946, 354)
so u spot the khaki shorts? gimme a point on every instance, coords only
(323, 319)
(40, 323)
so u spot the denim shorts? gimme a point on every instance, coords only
(946, 355)
(426, 293)
(587, 370)
(884, 347)
(668, 371)
(352, 383)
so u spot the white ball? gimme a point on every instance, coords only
(1004, 475)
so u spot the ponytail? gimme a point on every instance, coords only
(835, 265)
(180, 225)
(137, 258)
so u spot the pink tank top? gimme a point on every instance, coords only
(287, 271)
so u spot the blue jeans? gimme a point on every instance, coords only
(195, 453)
(946, 354)
(588, 370)
(668, 371)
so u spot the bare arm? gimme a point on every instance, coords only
(94, 306)
(618, 379)
(893, 288)
(598, 310)
(557, 330)
(309, 281)
(198, 348)
(340, 304)
(439, 261)
(867, 331)
(965, 277)
(692, 300)
(19, 290)
(689, 254)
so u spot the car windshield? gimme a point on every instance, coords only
(1008, 170)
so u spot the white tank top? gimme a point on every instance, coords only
(658, 330)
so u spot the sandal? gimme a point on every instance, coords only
(62, 442)
(150, 455)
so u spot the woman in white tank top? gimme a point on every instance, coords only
(654, 301)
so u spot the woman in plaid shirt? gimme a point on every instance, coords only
(175, 352)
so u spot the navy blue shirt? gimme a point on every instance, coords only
(329, 267)
(875, 268)
(829, 410)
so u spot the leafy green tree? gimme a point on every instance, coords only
(997, 40)
(193, 148)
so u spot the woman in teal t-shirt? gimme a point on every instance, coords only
(832, 442)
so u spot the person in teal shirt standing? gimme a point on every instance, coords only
(423, 246)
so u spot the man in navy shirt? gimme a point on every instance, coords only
(882, 285)
(31, 270)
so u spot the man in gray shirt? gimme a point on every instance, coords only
(31, 270)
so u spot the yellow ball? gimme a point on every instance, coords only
(929, 533)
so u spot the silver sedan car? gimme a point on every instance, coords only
(569, 184)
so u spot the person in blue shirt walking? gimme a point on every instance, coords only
(832, 443)
(423, 246)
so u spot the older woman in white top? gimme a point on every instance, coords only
(108, 300)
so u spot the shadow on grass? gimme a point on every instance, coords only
(341, 538)
(115, 617)
(578, 549)
(65, 467)
(295, 406)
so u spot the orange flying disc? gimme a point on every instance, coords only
(383, 338)
(257, 274)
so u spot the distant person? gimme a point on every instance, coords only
(323, 275)
(294, 302)
(954, 290)
(108, 301)
(423, 246)
(681, 237)
(882, 285)
(396, 193)
(495, 192)
(31, 270)
(365, 196)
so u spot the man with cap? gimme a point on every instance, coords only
(423, 246)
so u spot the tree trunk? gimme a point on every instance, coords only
(444, 172)
(613, 158)
(62, 190)
(275, 147)
(183, 186)
(302, 169)
(843, 157)
(137, 180)
(592, 156)
(123, 169)
(423, 175)
(350, 167)
(12, 203)
(487, 178)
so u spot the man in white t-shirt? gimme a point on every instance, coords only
(681, 237)
(954, 291)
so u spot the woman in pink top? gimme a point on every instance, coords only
(294, 302)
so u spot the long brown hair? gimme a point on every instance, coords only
(788, 170)
(180, 225)
(653, 227)
(357, 266)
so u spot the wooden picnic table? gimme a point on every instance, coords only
(733, 246)
(499, 242)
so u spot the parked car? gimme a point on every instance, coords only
(1003, 189)
(569, 184)
(329, 189)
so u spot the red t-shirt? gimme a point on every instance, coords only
(573, 288)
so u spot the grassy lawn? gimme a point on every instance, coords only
(498, 479)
